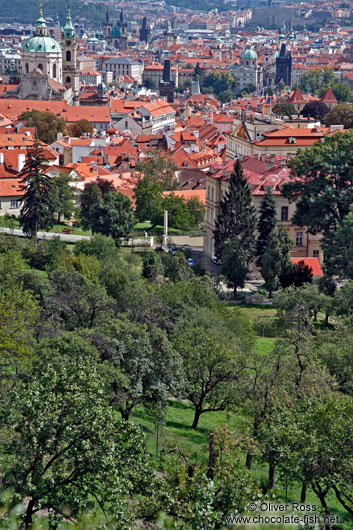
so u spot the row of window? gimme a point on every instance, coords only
(14, 204)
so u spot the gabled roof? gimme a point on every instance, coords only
(329, 97)
(296, 97)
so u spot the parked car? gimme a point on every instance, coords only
(215, 259)
(191, 262)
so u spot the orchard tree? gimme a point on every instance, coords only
(158, 167)
(237, 216)
(339, 250)
(145, 367)
(267, 223)
(211, 367)
(38, 203)
(68, 449)
(92, 196)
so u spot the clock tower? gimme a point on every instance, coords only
(71, 77)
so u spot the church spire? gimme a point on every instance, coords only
(69, 30)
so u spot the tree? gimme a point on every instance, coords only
(211, 366)
(284, 108)
(76, 302)
(113, 217)
(321, 185)
(146, 367)
(341, 114)
(160, 168)
(68, 450)
(197, 70)
(46, 123)
(152, 266)
(315, 109)
(148, 201)
(234, 264)
(80, 127)
(341, 91)
(176, 268)
(267, 222)
(339, 250)
(316, 79)
(276, 259)
(63, 196)
(237, 216)
(296, 274)
(196, 210)
(37, 209)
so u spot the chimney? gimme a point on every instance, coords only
(21, 159)
(318, 128)
(1, 158)
(334, 128)
(59, 135)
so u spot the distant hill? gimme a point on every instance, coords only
(27, 11)
(199, 5)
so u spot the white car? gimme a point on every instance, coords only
(214, 259)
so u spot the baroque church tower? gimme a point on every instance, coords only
(71, 76)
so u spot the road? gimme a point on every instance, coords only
(69, 238)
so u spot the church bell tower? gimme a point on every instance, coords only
(71, 77)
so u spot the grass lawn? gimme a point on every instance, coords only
(177, 429)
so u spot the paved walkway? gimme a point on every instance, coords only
(69, 238)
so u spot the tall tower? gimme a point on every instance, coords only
(71, 77)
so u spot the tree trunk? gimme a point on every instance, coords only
(315, 316)
(326, 320)
(196, 418)
(27, 522)
(322, 496)
(303, 492)
(248, 462)
(211, 457)
(125, 413)
(235, 292)
(271, 476)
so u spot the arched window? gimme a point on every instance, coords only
(68, 55)
(68, 79)
(54, 70)
(40, 66)
(26, 68)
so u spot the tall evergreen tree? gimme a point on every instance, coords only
(276, 259)
(37, 210)
(266, 224)
(237, 216)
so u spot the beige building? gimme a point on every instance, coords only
(261, 172)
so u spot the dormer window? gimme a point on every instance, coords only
(292, 140)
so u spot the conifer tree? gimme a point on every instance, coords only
(237, 216)
(37, 210)
(266, 224)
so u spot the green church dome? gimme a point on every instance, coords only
(40, 43)
(249, 53)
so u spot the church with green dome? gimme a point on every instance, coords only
(49, 70)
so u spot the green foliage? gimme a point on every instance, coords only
(222, 84)
(176, 268)
(158, 168)
(267, 222)
(63, 197)
(315, 109)
(237, 216)
(152, 266)
(322, 185)
(38, 203)
(113, 217)
(47, 124)
(80, 127)
(341, 114)
(276, 259)
(54, 419)
(234, 263)
(284, 108)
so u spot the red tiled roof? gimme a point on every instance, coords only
(313, 263)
